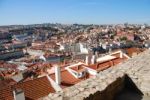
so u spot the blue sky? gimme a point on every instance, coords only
(74, 11)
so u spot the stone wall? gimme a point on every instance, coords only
(109, 82)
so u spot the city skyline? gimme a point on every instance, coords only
(74, 11)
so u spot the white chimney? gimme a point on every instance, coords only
(93, 59)
(96, 53)
(121, 54)
(18, 94)
(57, 74)
(87, 60)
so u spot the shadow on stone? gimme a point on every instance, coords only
(130, 91)
(129, 84)
(121, 89)
(110, 91)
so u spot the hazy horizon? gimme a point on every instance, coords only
(25, 12)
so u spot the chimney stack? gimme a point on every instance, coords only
(121, 54)
(57, 74)
(18, 93)
(87, 60)
(93, 59)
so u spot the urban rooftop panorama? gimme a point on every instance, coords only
(46, 58)
(40, 59)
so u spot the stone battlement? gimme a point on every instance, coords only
(111, 81)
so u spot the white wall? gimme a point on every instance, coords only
(91, 71)
(71, 72)
(82, 49)
(53, 83)
(35, 52)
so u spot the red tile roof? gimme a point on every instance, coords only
(100, 66)
(67, 79)
(36, 88)
(7, 65)
(33, 89)
(6, 92)
(104, 65)
(78, 68)
(130, 51)
(40, 87)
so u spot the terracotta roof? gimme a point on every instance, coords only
(8, 73)
(33, 89)
(6, 89)
(130, 51)
(36, 88)
(40, 65)
(7, 65)
(9, 69)
(6, 93)
(118, 60)
(6, 82)
(104, 65)
(67, 79)
(100, 66)
(78, 68)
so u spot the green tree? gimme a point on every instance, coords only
(124, 38)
